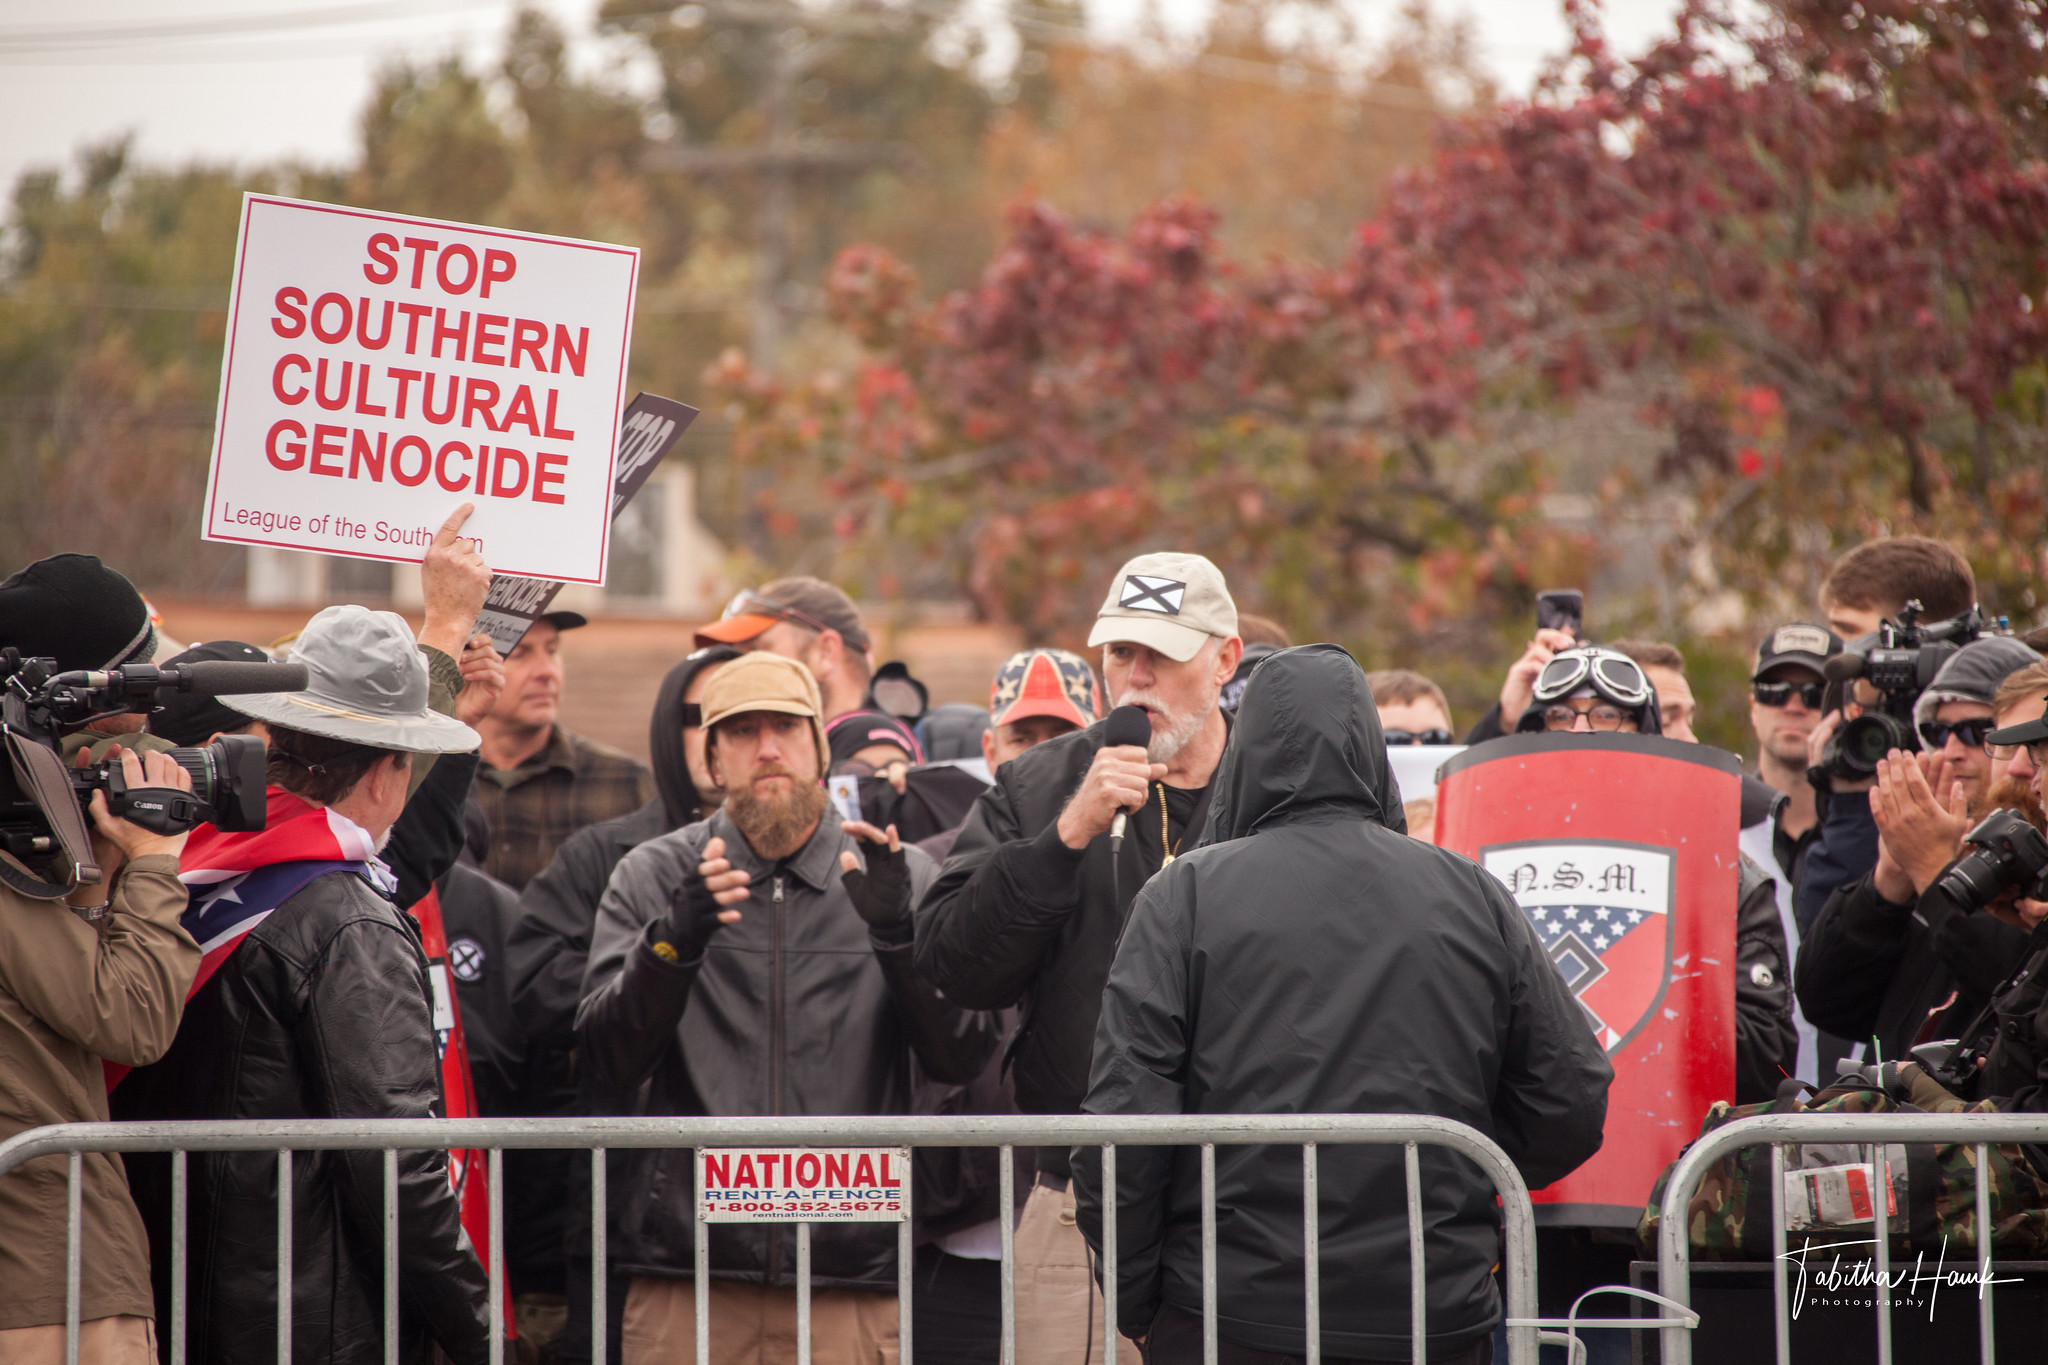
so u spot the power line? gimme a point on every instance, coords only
(82, 37)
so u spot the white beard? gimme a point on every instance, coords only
(1170, 733)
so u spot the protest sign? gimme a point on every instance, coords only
(652, 426)
(801, 1184)
(380, 370)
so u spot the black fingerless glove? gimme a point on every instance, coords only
(692, 920)
(881, 894)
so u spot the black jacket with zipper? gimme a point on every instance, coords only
(1018, 917)
(798, 1008)
(320, 1012)
(1309, 959)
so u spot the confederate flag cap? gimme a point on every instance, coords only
(1045, 682)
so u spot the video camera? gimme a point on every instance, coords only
(43, 802)
(1900, 660)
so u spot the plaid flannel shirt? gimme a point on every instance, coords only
(571, 783)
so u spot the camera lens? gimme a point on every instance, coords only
(1861, 745)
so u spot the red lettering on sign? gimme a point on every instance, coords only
(887, 1183)
(490, 331)
(340, 399)
(398, 461)
(363, 403)
(498, 268)
(807, 1163)
(382, 267)
(441, 466)
(553, 433)
(520, 410)
(453, 253)
(563, 349)
(419, 247)
(481, 395)
(295, 449)
(545, 464)
(864, 1172)
(289, 301)
(383, 338)
(326, 441)
(499, 489)
(528, 337)
(331, 335)
(297, 396)
(360, 454)
(835, 1171)
(717, 1170)
(745, 1174)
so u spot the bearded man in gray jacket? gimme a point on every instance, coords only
(759, 962)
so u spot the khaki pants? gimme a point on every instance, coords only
(755, 1325)
(123, 1340)
(1059, 1308)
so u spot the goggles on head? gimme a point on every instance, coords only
(1608, 672)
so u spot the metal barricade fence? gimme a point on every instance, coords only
(1871, 1130)
(601, 1134)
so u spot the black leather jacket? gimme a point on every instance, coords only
(798, 1008)
(321, 1012)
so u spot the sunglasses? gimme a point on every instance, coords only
(746, 603)
(1781, 693)
(1615, 675)
(1418, 737)
(1934, 735)
(1600, 716)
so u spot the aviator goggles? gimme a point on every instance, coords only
(1609, 672)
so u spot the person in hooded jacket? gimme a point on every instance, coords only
(1308, 958)
(546, 950)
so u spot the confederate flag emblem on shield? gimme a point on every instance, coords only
(1603, 912)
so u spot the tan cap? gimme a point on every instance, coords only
(1169, 602)
(766, 682)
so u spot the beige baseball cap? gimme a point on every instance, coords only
(766, 682)
(1170, 602)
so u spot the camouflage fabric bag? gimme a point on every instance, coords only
(1729, 1216)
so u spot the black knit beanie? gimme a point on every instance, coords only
(76, 610)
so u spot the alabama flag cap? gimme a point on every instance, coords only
(1045, 682)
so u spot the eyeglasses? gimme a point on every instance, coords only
(1781, 693)
(1972, 733)
(1615, 675)
(1600, 715)
(749, 603)
(1418, 737)
(2037, 752)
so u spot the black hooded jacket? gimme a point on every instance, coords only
(1310, 959)
(1018, 917)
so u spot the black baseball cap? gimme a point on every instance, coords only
(187, 719)
(1799, 642)
(2026, 732)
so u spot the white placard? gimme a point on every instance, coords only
(801, 1184)
(382, 370)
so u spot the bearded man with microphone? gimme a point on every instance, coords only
(1028, 908)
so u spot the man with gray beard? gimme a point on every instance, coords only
(1028, 908)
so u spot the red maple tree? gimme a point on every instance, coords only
(1806, 244)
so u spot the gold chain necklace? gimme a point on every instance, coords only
(1167, 854)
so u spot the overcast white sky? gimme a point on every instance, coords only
(264, 79)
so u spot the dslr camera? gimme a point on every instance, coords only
(2007, 852)
(43, 800)
(1900, 660)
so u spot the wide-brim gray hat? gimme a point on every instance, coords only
(366, 683)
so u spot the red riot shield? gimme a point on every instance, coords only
(1621, 850)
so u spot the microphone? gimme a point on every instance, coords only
(1843, 667)
(1127, 725)
(224, 677)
